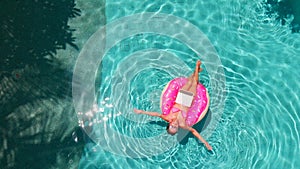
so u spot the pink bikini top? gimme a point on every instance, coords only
(175, 109)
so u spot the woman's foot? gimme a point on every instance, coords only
(198, 64)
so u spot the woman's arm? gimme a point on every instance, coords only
(196, 134)
(137, 111)
(155, 114)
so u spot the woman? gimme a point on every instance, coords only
(177, 117)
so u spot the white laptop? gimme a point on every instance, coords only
(185, 98)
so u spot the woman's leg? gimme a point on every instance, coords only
(194, 83)
(188, 84)
(193, 77)
(193, 88)
(197, 70)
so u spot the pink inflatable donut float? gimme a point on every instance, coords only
(199, 105)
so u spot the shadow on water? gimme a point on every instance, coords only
(200, 126)
(38, 126)
(184, 135)
(32, 31)
(159, 123)
(285, 9)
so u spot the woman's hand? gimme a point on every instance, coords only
(208, 146)
(199, 137)
(137, 111)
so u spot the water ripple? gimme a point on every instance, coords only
(260, 124)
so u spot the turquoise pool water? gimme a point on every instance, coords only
(259, 126)
(251, 70)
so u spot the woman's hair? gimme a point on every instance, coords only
(167, 128)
